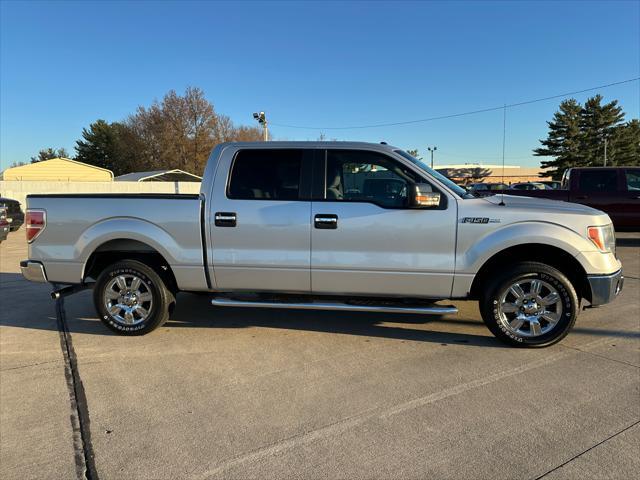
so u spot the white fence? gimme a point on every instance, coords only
(18, 190)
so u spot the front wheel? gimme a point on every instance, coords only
(131, 298)
(530, 305)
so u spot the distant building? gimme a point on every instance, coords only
(58, 170)
(470, 172)
(175, 175)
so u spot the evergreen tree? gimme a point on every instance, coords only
(598, 122)
(577, 136)
(564, 139)
(627, 144)
(108, 145)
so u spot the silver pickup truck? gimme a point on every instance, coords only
(327, 225)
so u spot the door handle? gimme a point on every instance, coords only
(225, 219)
(326, 221)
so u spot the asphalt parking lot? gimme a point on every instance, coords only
(283, 394)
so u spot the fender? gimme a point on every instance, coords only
(130, 228)
(522, 233)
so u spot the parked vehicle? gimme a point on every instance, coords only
(554, 184)
(483, 189)
(327, 225)
(4, 224)
(15, 215)
(530, 186)
(614, 190)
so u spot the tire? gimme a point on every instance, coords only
(132, 307)
(530, 316)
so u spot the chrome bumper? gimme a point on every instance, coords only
(33, 271)
(605, 288)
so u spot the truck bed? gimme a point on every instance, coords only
(78, 224)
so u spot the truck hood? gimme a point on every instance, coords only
(540, 205)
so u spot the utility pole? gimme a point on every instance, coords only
(605, 151)
(432, 149)
(262, 120)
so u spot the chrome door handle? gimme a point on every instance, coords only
(326, 221)
(225, 219)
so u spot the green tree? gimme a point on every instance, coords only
(414, 153)
(49, 153)
(109, 145)
(563, 140)
(626, 145)
(598, 122)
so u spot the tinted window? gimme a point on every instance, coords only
(266, 175)
(598, 181)
(360, 176)
(633, 179)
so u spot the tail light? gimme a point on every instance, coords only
(36, 221)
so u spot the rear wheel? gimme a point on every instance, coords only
(530, 305)
(131, 298)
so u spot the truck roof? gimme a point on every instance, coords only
(313, 144)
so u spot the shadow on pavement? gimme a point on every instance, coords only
(195, 311)
(628, 242)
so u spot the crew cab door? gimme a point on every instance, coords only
(601, 188)
(259, 218)
(367, 241)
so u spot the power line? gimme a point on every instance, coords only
(472, 112)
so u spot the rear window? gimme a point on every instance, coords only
(266, 175)
(598, 181)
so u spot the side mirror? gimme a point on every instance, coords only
(421, 195)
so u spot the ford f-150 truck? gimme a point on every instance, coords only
(327, 225)
(614, 190)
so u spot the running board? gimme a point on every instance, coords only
(320, 305)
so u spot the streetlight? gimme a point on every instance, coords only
(432, 149)
(262, 120)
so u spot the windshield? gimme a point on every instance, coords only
(441, 178)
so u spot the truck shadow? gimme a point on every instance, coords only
(195, 311)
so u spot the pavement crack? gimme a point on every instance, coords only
(79, 416)
(588, 449)
(622, 362)
(29, 365)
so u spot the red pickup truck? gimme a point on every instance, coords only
(614, 190)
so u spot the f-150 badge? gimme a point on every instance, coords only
(479, 220)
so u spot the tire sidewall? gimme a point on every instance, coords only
(151, 281)
(568, 297)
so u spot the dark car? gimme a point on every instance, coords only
(4, 224)
(614, 190)
(15, 215)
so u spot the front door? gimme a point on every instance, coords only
(261, 231)
(367, 241)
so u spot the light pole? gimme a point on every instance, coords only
(432, 149)
(605, 150)
(262, 120)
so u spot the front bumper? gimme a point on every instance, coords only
(605, 288)
(33, 271)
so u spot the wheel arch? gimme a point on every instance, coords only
(114, 250)
(550, 255)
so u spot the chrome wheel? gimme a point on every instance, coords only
(529, 307)
(128, 299)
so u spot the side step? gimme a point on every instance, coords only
(348, 307)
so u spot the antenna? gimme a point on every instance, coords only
(504, 138)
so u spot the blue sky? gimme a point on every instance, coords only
(65, 64)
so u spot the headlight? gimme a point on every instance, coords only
(603, 237)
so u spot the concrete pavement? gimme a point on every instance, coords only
(270, 394)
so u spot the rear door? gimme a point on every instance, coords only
(601, 188)
(366, 241)
(630, 212)
(261, 230)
